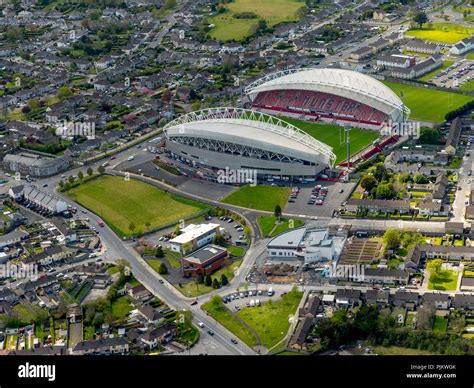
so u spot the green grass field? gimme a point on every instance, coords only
(121, 307)
(446, 280)
(330, 135)
(221, 314)
(227, 27)
(121, 202)
(259, 197)
(428, 104)
(269, 228)
(442, 32)
(271, 320)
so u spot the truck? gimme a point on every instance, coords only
(270, 292)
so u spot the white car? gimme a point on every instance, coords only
(200, 324)
(130, 158)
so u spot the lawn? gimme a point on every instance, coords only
(259, 197)
(442, 32)
(446, 280)
(271, 320)
(221, 314)
(440, 324)
(431, 74)
(191, 289)
(269, 228)
(428, 104)
(120, 203)
(228, 27)
(330, 134)
(234, 250)
(121, 307)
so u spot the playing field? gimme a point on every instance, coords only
(227, 27)
(428, 104)
(259, 197)
(442, 32)
(119, 203)
(330, 135)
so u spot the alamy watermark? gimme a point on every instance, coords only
(407, 128)
(76, 128)
(14, 271)
(352, 272)
(237, 176)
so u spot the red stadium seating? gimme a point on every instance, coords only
(319, 104)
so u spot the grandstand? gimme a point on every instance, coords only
(331, 95)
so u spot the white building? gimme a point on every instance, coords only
(194, 236)
(310, 245)
(463, 46)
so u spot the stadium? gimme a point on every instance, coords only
(338, 96)
(238, 139)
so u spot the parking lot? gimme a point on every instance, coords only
(335, 194)
(249, 298)
(455, 76)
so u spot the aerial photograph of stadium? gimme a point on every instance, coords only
(247, 180)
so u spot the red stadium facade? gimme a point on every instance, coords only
(331, 95)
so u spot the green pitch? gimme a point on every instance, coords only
(442, 33)
(330, 135)
(119, 203)
(428, 104)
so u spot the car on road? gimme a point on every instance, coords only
(161, 281)
(200, 324)
(130, 158)
(234, 341)
(210, 332)
(45, 185)
(194, 303)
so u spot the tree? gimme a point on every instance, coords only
(163, 270)
(384, 191)
(379, 172)
(159, 252)
(420, 18)
(101, 169)
(90, 171)
(80, 175)
(277, 212)
(215, 283)
(208, 281)
(434, 266)
(421, 179)
(429, 136)
(64, 92)
(368, 182)
(224, 280)
(392, 238)
(71, 179)
(61, 184)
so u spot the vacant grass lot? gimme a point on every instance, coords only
(428, 104)
(259, 197)
(221, 314)
(330, 134)
(121, 203)
(121, 307)
(269, 228)
(440, 324)
(227, 27)
(442, 32)
(271, 320)
(446, 280)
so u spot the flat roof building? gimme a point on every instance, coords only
(194, 236)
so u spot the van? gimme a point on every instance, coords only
(270, 292)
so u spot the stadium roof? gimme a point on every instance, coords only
(340, 82)
(251, 128)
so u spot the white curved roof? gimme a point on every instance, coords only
(253, 129)
(345, 83)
